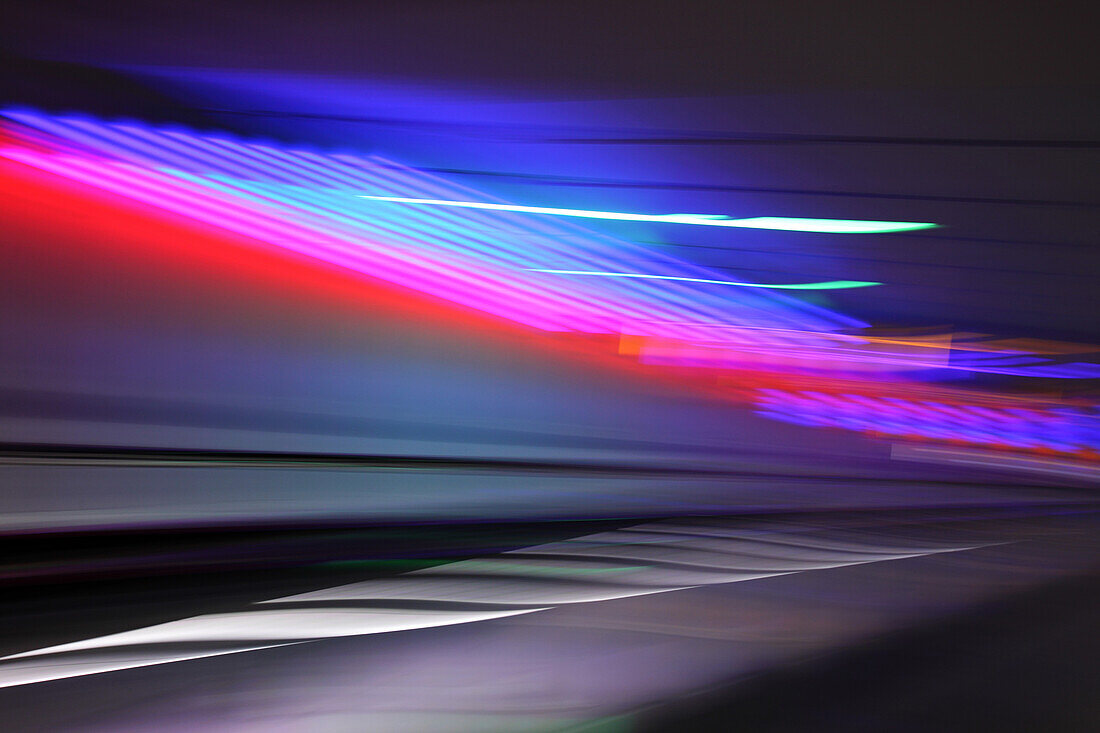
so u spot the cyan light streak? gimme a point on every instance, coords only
(829, 285)
(780, 223)
(451, 245)
(474, 258)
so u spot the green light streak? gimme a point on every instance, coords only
(778, 223)
(509, 568)
(828, 285)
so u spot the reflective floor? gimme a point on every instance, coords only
(614, 625)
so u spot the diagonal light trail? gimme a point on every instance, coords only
(657, 557)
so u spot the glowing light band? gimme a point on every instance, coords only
(829, 285)
(450, 245)
(780, 223)
(308, 202)
(1062, 429)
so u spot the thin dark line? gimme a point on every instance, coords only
(796, 139)
(876, 260)
(50, 454)
(982, 240)
(405, 604)
(535, 134)
(551, 180)
(38, 454)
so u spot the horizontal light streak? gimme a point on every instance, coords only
(779, 223)
(1062, 429)
(829, 285)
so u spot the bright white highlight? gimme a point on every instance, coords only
(645, 559)
(780, 223)
(828, 285)
(271, 625)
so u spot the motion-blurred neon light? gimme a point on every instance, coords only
(828, 285)
(1065, 428)
(452, 247)
(780, 223)
(309, 203)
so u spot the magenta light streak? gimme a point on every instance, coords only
(199, 158)
(467, 257)
(176, 195)
(319, 218)
(142, 186)
(497, 256)
(746, 301)
(640, 317)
